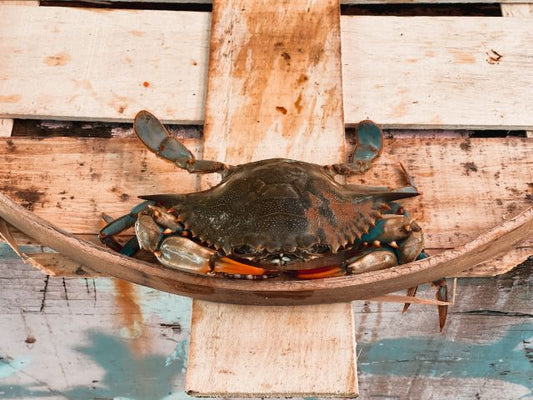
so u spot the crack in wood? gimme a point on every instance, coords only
(495, 313)
(65, 290)
(44, 291)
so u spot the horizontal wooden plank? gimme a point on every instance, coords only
(102, 64)
(468, 185)
(97, 338)
(342, 1)
(465, 72)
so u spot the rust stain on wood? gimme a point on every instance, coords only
(462, 58)
(137, 33)
(57, 60)
(130, 315)
(274, 92)
(13, 98)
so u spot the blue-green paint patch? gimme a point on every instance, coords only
(9, 367)
(179, 356)
(126, 375)
(168, 307)
(7, 252)
(509, 358)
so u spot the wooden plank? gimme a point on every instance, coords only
(86, 348)
(100, 64)
(443, 84)
(122, 170)
(437, 82)
(32, 3)
(271, 351)
(342, 1)
(6, 125)
(468, 185)
(518, 10)
(275, 90)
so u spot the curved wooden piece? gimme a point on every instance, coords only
(331, 290)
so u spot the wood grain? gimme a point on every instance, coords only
(81, 337)
(467, 185)
(102, 63)
(342, 1)
(449, 79)
(271, 292)
(272, 351)
(274, 90)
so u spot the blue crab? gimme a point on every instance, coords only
(275, 217)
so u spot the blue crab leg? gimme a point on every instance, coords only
(118, 225)
(158, 140)
(369, 139)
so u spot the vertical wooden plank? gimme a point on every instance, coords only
(274, 90)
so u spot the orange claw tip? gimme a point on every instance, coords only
(229, 266)
(318, 273)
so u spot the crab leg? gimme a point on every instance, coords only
(118, 225)
(369, 144)
(158, 140)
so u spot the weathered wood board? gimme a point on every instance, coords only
(468, 185)
(85, 338)
(342, 1)
(94, 64)
(81, 339)
(274, 90)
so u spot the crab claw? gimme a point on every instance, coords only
(157, 139)
(369, 139)
(371, 260)
(183, 254)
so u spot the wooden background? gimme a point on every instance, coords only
(80, 338)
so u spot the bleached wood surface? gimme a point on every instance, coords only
(274, 90)
(342, 1)
(6, 125)
(93, 63)
(521, 9)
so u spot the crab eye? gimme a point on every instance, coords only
(319, 248)
(243, 250)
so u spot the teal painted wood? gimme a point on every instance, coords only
(84, 338)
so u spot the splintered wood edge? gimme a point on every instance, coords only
(332, 290)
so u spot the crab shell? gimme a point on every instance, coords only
(279, 207)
